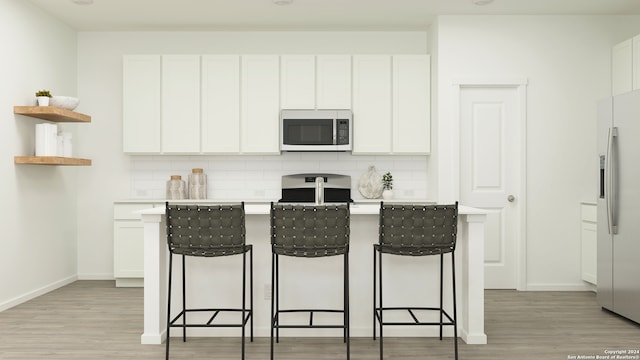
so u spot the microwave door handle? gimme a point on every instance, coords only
(335, 129)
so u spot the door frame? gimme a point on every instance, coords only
(520, 85)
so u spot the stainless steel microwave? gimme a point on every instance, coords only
(316, 130)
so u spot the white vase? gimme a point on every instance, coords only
(370, 184)
(43, 100)
(387, 194)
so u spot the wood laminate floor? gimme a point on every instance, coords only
(95, 320)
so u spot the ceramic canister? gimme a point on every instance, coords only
(176, 188)
(197, 184)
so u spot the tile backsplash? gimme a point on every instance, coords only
(258, 177)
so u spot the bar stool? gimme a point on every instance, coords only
(309, 232)
(415, 230)
(208, 231)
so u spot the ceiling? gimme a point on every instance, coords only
(174, 15)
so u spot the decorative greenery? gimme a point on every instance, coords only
(387, 181)
(43, 93)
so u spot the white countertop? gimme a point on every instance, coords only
(356, 208)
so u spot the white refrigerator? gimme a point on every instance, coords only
(619, 205)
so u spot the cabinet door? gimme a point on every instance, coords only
(333, 85)
(141, 103)
(220, 104)
(260, 105)
(622, 67)
(297, 81)
(180, 104)
(372, 104)
(411, 104)
(128, 249)
(636, 62)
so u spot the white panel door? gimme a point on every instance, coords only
(333, 82)
(141, 103)
(260, 105)
(636, 63)
(372, 104)
(180, 104)
(622, 67)
(297, 82)
(490, 174)
(220, 104)
(411, 104)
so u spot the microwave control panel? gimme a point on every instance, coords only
(342, 132)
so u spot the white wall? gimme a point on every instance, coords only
(115, 176)
(39, 202)
(566, 60)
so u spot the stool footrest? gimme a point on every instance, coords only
(416, 321)
(210, 322)
(310, 325)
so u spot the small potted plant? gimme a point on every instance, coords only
(387, 185)
(43, 97)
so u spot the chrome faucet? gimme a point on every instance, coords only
(319, 190)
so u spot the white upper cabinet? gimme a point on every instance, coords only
(297, 81)
(333, 84)
(180, 104)
(315, 82)
(220, 104)
(411, 104)
(622, 67)
(372, 104)
(141, 103)
(230, 104)
(636, 62)
(260, 104)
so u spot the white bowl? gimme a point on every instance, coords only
(65, 102)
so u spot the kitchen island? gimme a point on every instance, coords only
(219, 280)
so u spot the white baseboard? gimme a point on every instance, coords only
(37, 292)
(95, 277)
(558, 287)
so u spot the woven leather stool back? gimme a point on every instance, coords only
(418, 230)
(309, 231)
(196, 230)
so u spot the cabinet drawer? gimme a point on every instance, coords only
(126, 211)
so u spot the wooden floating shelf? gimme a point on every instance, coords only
(51, 160)
(52, 113)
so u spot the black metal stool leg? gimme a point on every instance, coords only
(374, 293)
(277, 295)
(244, 295)
(184, 300)
(251, 288)
(380, 300)
(273, 284)
(441, 289)
(346, 305)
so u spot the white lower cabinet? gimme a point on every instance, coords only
(589, 238)
(128, 244)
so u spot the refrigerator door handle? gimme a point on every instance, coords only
(611, 182)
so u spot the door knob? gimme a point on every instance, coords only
(511, 198)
